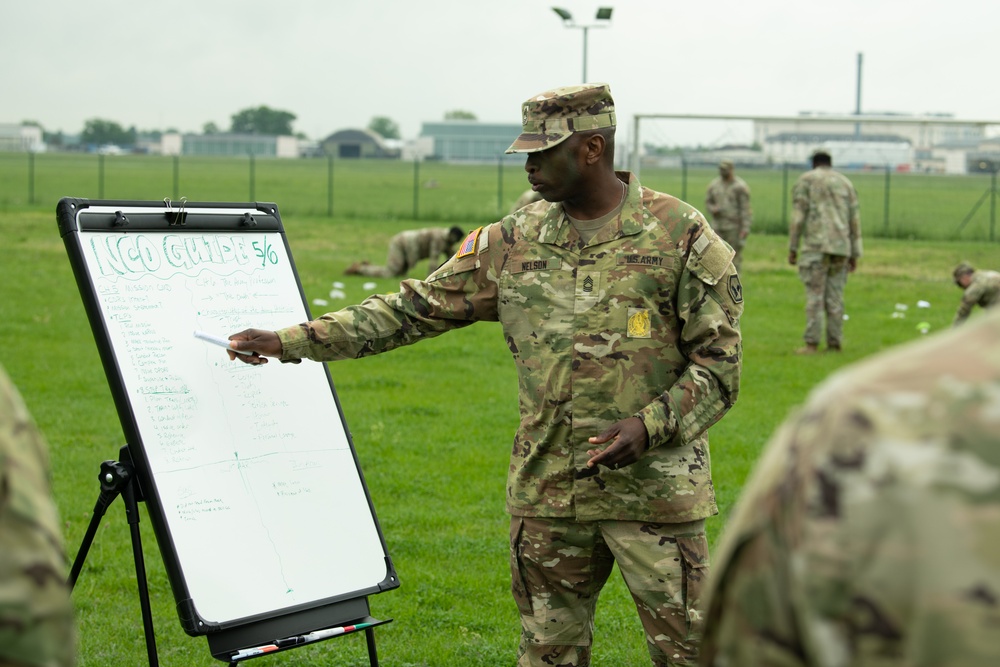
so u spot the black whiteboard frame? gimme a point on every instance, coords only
(73, 217)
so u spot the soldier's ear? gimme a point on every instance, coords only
(593, 146)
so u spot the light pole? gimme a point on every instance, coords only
(603, 18)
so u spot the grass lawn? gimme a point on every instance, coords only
(432, 425)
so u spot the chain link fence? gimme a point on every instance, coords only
(896, 205)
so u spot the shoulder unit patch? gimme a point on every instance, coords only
(735, 288)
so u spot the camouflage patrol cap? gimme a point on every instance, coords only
(963, 269)
(726, 164)
(550, 118)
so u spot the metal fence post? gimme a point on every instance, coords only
(784, 195)
(885, 208)
(993, 204)
(31, 177)
(177, 176)
(500, 185)
(416, 188)
(252, 177)
(329, 185)
(684, 180)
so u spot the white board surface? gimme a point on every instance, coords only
(252, 466)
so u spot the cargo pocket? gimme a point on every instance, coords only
(694, 572)
(517, 585)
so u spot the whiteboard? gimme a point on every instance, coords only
(251, 478)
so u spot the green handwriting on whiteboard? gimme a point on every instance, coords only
(138, 254)
(266, 253)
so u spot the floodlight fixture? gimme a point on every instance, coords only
(604, 19)
(563, 14)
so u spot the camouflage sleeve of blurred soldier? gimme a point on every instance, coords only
(869, 532)
(970, 297)
(527, 197)
(980, 288)
(711, 199)
(745, 210)
(36, 616)
(442, 246)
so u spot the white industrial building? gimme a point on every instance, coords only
(931, 143)
(935, 143)
(229, 145)
(847, 150)
(21, 138)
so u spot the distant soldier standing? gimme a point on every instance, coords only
(982, 288)
(826, 220)
(728, 202)
(409, 248)
(869, 531)
(36, 615)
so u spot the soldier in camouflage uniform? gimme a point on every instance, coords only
(36, 615)
(869, 532)
(527, 197)
(409, 248)
(981, 287)
(827, 221)
(621, 308)
(728, 201)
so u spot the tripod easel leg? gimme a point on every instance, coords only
(116, 477)
(372, 653)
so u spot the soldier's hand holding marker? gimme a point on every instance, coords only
(253, 346)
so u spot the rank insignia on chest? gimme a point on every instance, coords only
(639, 323)
(469, 244)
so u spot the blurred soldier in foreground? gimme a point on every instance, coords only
(527, 197)
(869, 532)
(827, 222)
(621, 308)
(982, 288)
(36, 615)
(728, 201)
(407, 249)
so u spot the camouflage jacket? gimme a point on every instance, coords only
(983, 291)
(643, 321)
(36, 615)
(418, 244)
(826, 217)
(869, 532)
(728, 203)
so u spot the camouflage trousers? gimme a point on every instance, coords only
(730, 233)
(824, 277)
(559, 566)
(396, 263)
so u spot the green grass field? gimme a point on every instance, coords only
(432, 425)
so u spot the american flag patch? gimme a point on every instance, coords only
(469, 244)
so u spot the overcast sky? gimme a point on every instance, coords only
(336, 64)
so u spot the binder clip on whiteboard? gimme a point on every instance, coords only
(178, 216)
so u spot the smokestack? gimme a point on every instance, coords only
(857, 104)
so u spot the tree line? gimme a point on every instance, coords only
(255, 120)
